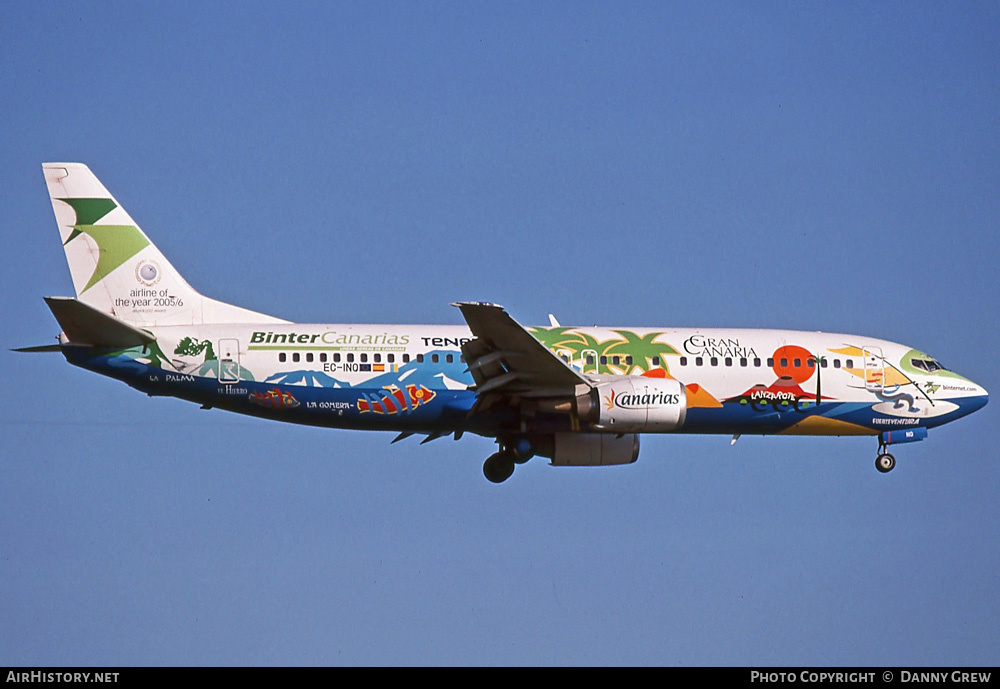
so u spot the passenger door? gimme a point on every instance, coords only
(874, 369)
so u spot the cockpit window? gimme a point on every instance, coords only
(929, 365)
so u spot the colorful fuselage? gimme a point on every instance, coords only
(414, 378)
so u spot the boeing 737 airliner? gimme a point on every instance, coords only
(577, 395)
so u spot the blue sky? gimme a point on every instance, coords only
(792, 165)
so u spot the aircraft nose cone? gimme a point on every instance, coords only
(980, 398)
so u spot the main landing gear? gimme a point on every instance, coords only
(499, 466)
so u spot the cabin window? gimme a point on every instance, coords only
(770, 362)
(450, 358)
(336, 357)
(350, 358)
(784, 363)
(322, 357)
(656, 361)
(364, 358)
(309, 357)
(714, 361)
(811, 363)
(615, 360)
(590, 360)
(604, 360)
(729, 361)
(406, 358)
(684, 361)
(822, 363)
(295, 357)
(420, 358)
(797, 363)
(743, 361)
(699, 361)
(435, 358)
(836, 363)
(756, 363)
(282, 357)
(849, 363)
(628, 361)
(390, 358)
(377, 358)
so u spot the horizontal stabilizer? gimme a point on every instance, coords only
(39, 348)
(83, 324)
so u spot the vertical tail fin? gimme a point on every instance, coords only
(115, 268)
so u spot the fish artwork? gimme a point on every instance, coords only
(394, 400)
(274, 399)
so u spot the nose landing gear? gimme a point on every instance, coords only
(884, 462)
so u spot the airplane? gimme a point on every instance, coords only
(579, 396)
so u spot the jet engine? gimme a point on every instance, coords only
(635, 404)
(594, 449)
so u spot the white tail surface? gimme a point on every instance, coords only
(115, 268)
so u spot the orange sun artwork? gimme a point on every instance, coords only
(784, 363)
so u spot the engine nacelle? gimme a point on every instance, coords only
(636, 404)
(594, 449)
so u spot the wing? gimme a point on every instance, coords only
(506, 359)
